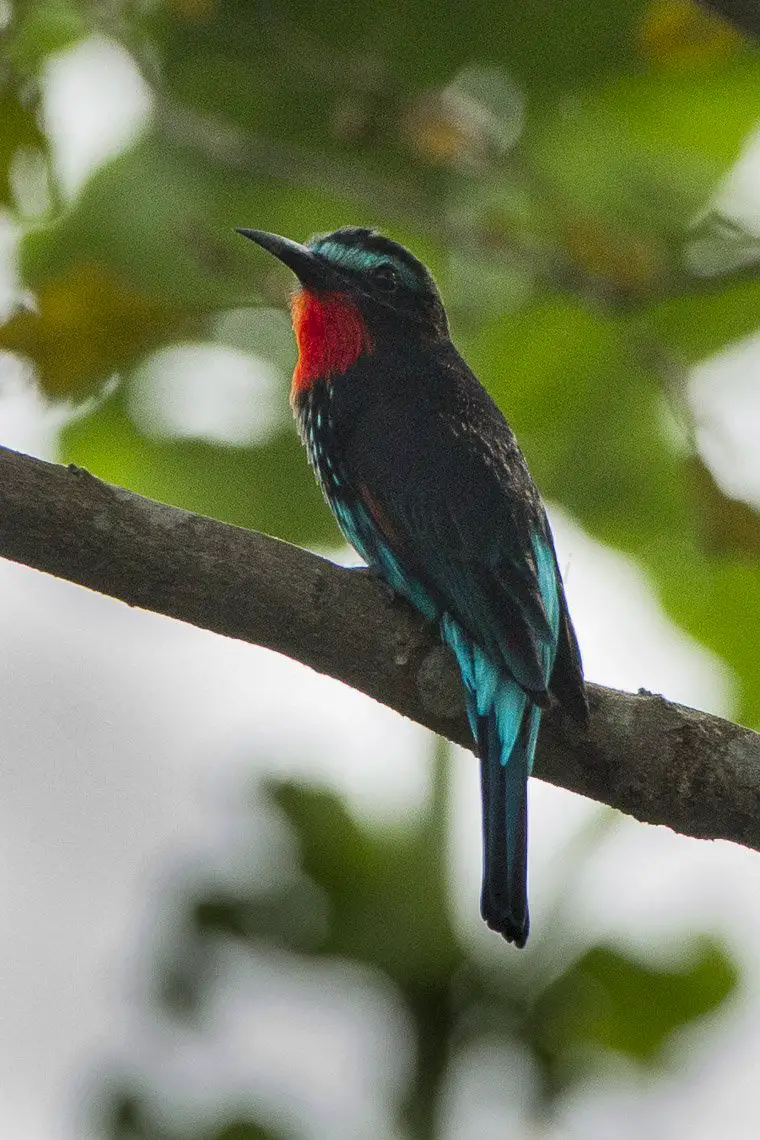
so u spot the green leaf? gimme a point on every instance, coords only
(716, 600)
(19, 130)
(708, 316)
(132, 1116)
(651, 153)
(88, 325)
(40, 28)
(268, 488)
(728, 526)
(607, 1002)
(385, 888)
(241, 1129)
(288, 74)
(150, 217)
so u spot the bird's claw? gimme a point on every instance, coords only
(377, 577)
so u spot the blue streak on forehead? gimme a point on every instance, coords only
(358, 258)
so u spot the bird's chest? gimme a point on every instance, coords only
(315, 416)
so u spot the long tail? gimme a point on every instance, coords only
(505, 725)
(504, 769)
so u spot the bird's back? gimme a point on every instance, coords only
(416, 436)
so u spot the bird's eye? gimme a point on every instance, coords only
(386, 276)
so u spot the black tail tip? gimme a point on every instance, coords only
(511, 928)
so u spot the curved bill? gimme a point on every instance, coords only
(308, 268)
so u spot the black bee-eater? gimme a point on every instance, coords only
(428, 484)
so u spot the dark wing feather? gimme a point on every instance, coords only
(462, 511)
(567, 683)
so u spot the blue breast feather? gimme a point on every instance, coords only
(365, 539)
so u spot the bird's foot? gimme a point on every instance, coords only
(376, 576)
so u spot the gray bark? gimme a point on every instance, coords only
(655, 760)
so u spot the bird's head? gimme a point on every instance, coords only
(358, 292)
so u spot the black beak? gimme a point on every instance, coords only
(310, 270)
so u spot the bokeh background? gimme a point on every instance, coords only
(239, 901)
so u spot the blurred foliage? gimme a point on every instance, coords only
(561, 168)
(128, 1117)
(380, 898)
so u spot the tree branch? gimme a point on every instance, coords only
(658, 761)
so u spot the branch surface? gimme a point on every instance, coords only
(655, 760)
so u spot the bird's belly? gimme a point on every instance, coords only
(355, 517)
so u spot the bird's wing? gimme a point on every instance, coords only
(465, 523)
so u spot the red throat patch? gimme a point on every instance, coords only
(331, 335)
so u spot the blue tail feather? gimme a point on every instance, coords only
(505, 725)
(504, 721)
(504, 791)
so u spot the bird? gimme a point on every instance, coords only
(428, 484)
